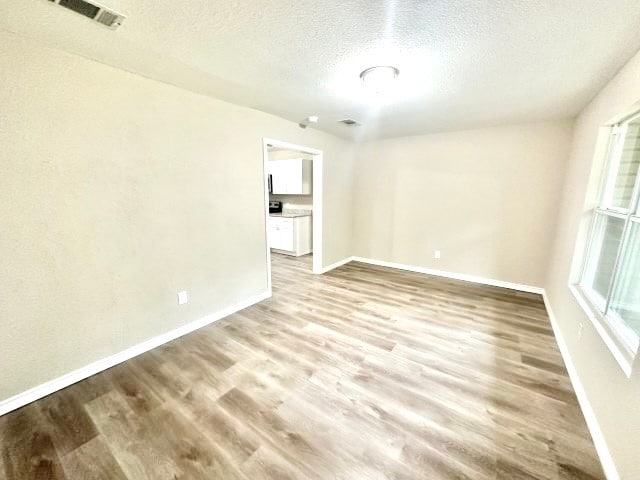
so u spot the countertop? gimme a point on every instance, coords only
(290, 214)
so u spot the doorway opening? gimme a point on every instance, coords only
(293, 201)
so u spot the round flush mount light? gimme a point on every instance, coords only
(379, 79)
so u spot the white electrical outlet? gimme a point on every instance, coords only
(183, 297)
(580, 331)
(436, 254)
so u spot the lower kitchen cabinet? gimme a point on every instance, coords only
(290, 235)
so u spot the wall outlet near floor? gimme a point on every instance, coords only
(183, 297)
(580, 331)
(436, 254)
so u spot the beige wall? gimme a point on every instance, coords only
(614, 398)
(116, 193)
(485, 198)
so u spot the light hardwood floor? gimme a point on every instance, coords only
(361, 373)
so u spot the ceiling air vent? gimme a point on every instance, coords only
(349, 122)
(94, 11)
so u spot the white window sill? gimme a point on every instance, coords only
(624, 355)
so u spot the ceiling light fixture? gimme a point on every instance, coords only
(379, 79)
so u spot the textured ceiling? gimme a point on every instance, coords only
(463, 63)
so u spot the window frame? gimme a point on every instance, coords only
(623, 342)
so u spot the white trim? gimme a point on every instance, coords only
(611, 170)
(337, 264)
(592, 422)
(317, 189)
(265, 178)
(599, 441)
(70, 378)
(455, 276)
(291, 146)
(618, 348)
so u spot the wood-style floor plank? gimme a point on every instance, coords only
(364, 372)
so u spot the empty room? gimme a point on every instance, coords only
(324, 240)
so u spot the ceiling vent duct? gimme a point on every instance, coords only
(350, 122)
(94, 11)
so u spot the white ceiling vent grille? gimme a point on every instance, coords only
(350, 122)
(94, 11)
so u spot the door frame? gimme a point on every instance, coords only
(317, 165)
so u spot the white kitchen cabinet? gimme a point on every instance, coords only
(290, 235)
(290, 177)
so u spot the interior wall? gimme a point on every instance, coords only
(613, 397)
(486, 198)
(117, 192)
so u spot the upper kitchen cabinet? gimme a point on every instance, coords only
(290, 177)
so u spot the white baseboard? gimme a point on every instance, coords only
(24, 398)
(455, 276)
(70, 378)
(599, 441)
(337, 264)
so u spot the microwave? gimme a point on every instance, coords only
(275, 206)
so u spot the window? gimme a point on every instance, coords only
(610, 279)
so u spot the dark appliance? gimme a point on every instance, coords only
(270, 179)
(275, 206)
